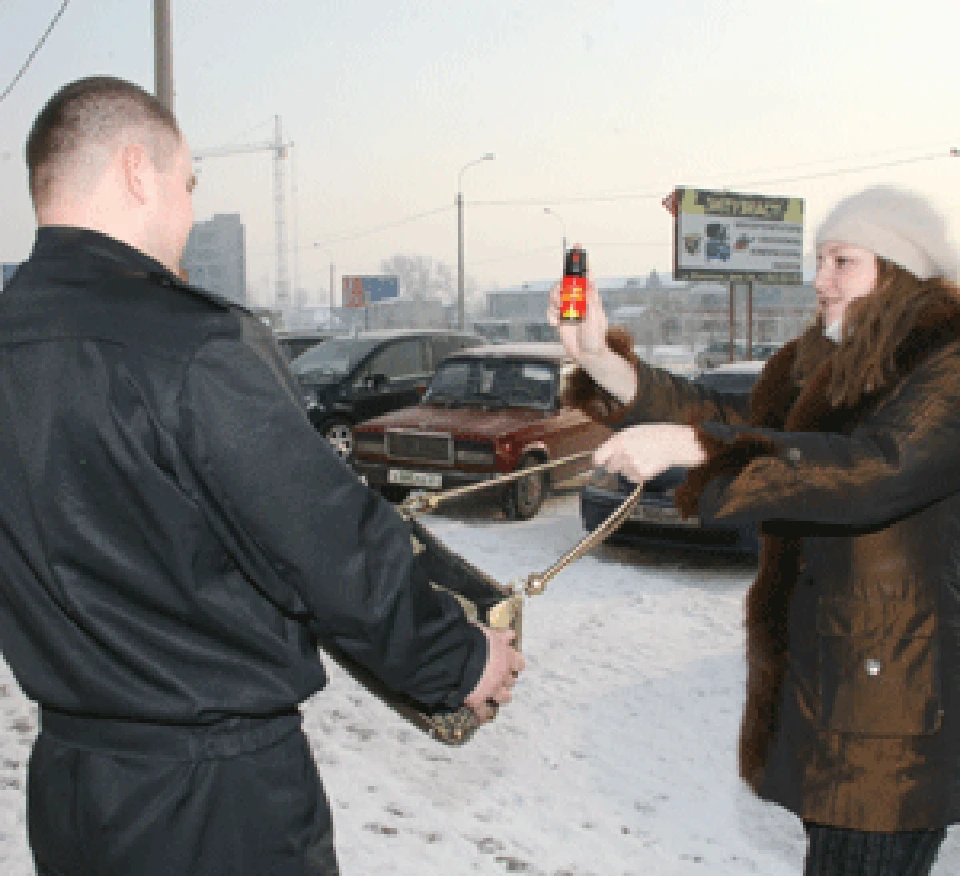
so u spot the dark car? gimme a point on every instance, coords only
(293, 342)
(718, 353)
(489, 410)
(348, 380)
(656, 520)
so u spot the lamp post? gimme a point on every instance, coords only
(489, 156)
(163, 54)
(563, 226)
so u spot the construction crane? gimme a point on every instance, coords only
(280, 150)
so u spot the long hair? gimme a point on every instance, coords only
(874, 328)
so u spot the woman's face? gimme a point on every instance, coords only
(844, 273)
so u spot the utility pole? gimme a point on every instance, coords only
(733, 312)
(461, 315)
(461, 318)
(162, 53)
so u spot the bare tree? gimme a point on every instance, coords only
(420, 276)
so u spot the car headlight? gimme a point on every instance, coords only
(475, 453)
(605, 480)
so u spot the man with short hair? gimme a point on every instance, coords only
(175, 537)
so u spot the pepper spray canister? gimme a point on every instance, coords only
(573, 291)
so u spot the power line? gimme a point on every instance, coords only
(860, 169)
(356, 235)
(644, 196)
(552, 248)
(578, 199)
(876, 153)
(515, 256)
(632, 243)
(624, 196)
(36, 49)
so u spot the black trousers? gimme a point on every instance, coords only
(834, 851)
(241, 798)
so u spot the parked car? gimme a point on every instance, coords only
(656, 520)
(489, 410)
(347, 380)
(718, 353)
(293, 342)
(765, 351)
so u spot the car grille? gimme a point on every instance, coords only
(369, 442)
(420, 447)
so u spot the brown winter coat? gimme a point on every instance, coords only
(852, 714)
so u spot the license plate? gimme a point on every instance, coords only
(663, 514)
(415, 479)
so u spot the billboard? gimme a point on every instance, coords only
(730, 236)
(6, 272)
(361, 291)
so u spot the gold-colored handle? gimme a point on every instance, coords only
(422, 503)
(536, 583)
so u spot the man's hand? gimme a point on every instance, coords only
(504, 664)
(582, 340)
(640, 452)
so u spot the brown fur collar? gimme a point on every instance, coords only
(797, 392)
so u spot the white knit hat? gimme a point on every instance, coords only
(898, 225)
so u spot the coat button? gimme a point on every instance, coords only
(794, 454)
(873, 666)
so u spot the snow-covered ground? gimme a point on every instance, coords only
(617, 756)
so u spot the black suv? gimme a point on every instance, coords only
(293, 342)
(348, 380)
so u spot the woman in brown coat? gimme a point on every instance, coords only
(849, 458)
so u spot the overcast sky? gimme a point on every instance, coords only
(595, 108)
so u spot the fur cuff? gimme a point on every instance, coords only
(723, 458)
(585, 394)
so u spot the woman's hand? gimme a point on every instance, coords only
(586, 343)
(584, 340)
(641, 452)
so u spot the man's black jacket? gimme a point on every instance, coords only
(174, 534)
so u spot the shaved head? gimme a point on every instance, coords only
(79, 130)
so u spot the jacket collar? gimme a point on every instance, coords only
(83, 245)
(62, 241)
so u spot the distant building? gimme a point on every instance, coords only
(215, 257)
(405, 313)
(6, 272)
(659, 310)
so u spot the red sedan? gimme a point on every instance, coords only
(489, 410)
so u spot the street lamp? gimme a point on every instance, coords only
(563, 226)
(162, 53)
(489, 156)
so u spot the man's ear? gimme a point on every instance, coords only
(137, 171)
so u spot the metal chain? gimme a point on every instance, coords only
(535, 584)
(424, 502)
